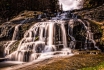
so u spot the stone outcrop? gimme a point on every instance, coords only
(92, 3)
(96, 13)
(6, 32)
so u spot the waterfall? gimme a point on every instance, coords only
(49, 38)
(39, 39)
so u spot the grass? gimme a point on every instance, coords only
(98, 67)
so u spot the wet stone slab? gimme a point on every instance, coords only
(2, 59)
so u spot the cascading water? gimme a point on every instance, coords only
(14, 38)
(40, 38)
(16, 31)
(89, 37)
(48, 38)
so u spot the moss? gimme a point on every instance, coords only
(14, 46)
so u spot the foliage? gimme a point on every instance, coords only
(28, 4)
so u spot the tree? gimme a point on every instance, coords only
(54, 5)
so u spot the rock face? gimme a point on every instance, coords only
(6, 32)
(96, 13)
(92, 3)
(2, 48)
(94, 10)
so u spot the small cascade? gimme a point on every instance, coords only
(14, 38)
(7, 47)
(39, 16)
(16, 31)
(64, 36)
(89, 37)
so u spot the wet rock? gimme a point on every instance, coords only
(6, 32)
(2, 48)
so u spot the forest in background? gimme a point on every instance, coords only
(10, 8)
